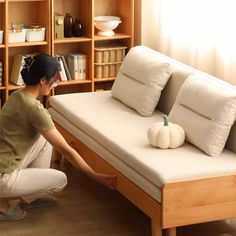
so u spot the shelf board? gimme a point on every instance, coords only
(2, 45)
(72, 40)
(72, 82)
(27, 44)
(14, 87)
(2, 87)
(2, 1)
(116, 36)
(104, 79)
(26, 0)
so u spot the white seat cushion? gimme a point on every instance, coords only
(121, 131)
(141, 78)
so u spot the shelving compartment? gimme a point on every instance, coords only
(108, 60)
(120, 8)
(79, 84)
(24, 50)
(27, 13)
(79, 9)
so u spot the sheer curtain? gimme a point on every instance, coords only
(201, 33)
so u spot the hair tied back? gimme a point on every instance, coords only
(28, 62)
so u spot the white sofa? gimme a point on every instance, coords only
(174, 187)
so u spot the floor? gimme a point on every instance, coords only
(87, 209)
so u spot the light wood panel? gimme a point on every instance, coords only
(195, 201)
(137, 22)
(105, 7)
(156, 229)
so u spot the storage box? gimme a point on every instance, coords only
(108, 60)
(109, 54)
(37, 34)
(104, 70)
(1, 36)
(16, 36)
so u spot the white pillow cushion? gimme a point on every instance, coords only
(206, 109)
(141, 78)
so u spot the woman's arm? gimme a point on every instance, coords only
(54, 137)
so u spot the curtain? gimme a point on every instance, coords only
(200, 33)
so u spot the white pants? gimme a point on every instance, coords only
(34, 178)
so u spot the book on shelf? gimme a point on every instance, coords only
(18, 65)
(81, 65)
(62, 72)
(77, 65)
(64, 66)
(72, 61)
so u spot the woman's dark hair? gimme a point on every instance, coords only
(38, 67)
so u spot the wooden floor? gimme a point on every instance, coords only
(87, 209)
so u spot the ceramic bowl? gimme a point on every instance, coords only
(106, 24)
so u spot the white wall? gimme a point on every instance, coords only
(149, 29)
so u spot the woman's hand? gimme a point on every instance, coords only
(106, 180)
(58, 142)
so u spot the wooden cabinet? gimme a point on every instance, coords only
(43, 12)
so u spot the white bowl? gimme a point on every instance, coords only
(106, 24)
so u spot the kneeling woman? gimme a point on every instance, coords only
(27, 134)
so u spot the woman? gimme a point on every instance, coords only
(26, 129)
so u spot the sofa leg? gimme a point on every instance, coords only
(171, 232)
(156, 229)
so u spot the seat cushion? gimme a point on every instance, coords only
(140, 80)
(206, 109)
(121, 131)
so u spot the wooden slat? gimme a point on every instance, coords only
(27, 44)
(171, 232)
(156, 229)
(197, 201)
(131, 191)
(73, 40)
(115, 37)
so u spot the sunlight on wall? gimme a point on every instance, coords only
(191, 31)
(200, 23)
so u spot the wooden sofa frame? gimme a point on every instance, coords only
(183, 202)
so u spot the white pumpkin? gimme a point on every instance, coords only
(166, 135)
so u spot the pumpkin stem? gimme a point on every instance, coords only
(165, 118)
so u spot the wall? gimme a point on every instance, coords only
(137, 21)
(146, 12)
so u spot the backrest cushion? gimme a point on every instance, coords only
(206, 109)
(141, 78)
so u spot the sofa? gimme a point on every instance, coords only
(191, 184)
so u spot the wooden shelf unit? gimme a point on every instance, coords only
(21, 12)
(42, 12)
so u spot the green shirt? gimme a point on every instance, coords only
(22, 119)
